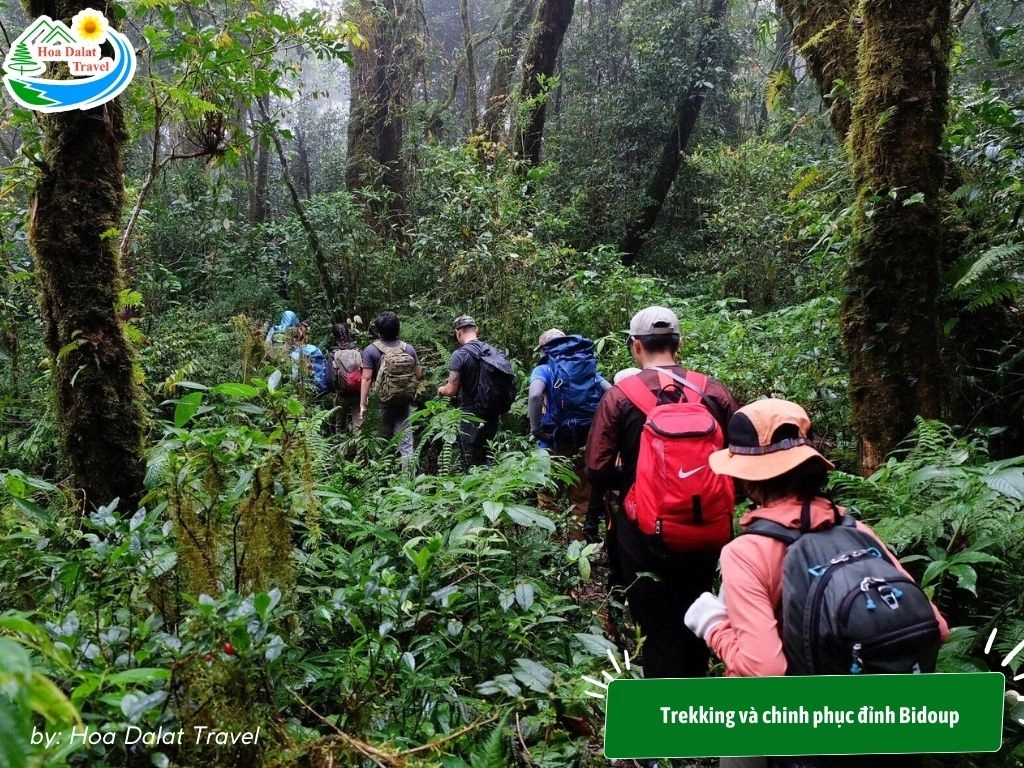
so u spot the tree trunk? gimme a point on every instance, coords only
(514, 25)
(258, 199)
(552, 21)
(381, 92)
(825, 32)
(467, 40)
(305, 174)
(687, 111)
(79, 198)
(320, 260)
(889, 317)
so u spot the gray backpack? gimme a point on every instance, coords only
(846, 609)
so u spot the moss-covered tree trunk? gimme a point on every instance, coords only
(825, 33)
(889, 318)
(78, 201)
(381, 92)
(512, 33)
(552, 21)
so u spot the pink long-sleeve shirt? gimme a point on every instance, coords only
(749, 641)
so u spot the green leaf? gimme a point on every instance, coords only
(274, 381)
(492, 509)
(14, 661)
(527, 518)
(46, 699)
(524, 595)
(534, 676)
(134, 706)
(932, 572)
(186, 408)
(139, 675)
(234, 389)
(966, 578)
(595, 644)
(583, 564)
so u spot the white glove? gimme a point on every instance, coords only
(706, 613)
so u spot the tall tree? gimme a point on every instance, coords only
(467, 40)
(889, 317)
(825, 32)
(381, 92)
(549, 28)
(684, 120)
(511, 34)
(78, 201)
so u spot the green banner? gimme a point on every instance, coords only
(815, 715)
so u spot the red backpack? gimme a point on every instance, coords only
(676, 497)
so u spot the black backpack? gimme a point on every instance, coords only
(846, 609)
(495, 383)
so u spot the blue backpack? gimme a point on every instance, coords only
(574, 392)
(314, 366)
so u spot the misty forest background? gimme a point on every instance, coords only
(829, 193)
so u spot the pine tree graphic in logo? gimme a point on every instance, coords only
(21, 61)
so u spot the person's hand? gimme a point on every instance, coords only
(439, 391)
(706, 613)
(542, 435)
(362, 411)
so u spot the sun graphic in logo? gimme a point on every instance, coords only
(90, 26)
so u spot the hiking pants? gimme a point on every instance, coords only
(658, 606)
(474, 441)
(395, 420)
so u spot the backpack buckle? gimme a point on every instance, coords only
(890, 596)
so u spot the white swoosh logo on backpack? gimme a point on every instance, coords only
(684, 475)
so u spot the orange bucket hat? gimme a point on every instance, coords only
(767, 438)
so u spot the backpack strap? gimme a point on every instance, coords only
(711, 405)
(788, 535)
(638, 394)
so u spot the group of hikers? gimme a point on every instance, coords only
(479, 375)
(806, 589)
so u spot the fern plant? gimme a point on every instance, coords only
(957, 518)
(988, 278)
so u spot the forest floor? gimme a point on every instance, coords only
(594, 593)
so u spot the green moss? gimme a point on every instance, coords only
(889, 317)
(826, 36)
(79, 197)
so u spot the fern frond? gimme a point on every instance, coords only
(491, 754)
(994, 294)
(986, 263)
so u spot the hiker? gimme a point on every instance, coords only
(659, 528)
(278, 338)
(308, 362)
(395, 367)
(794, 529)
(565, 388)
(482, 378)
(346, 377)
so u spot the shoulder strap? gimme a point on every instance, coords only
(788, 535)
(476, 348)
(711, 405)
(638, 394)
(380, 346)
(773, 530)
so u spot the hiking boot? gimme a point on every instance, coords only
(590, 531)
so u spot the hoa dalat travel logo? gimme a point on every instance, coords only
(95, 78)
